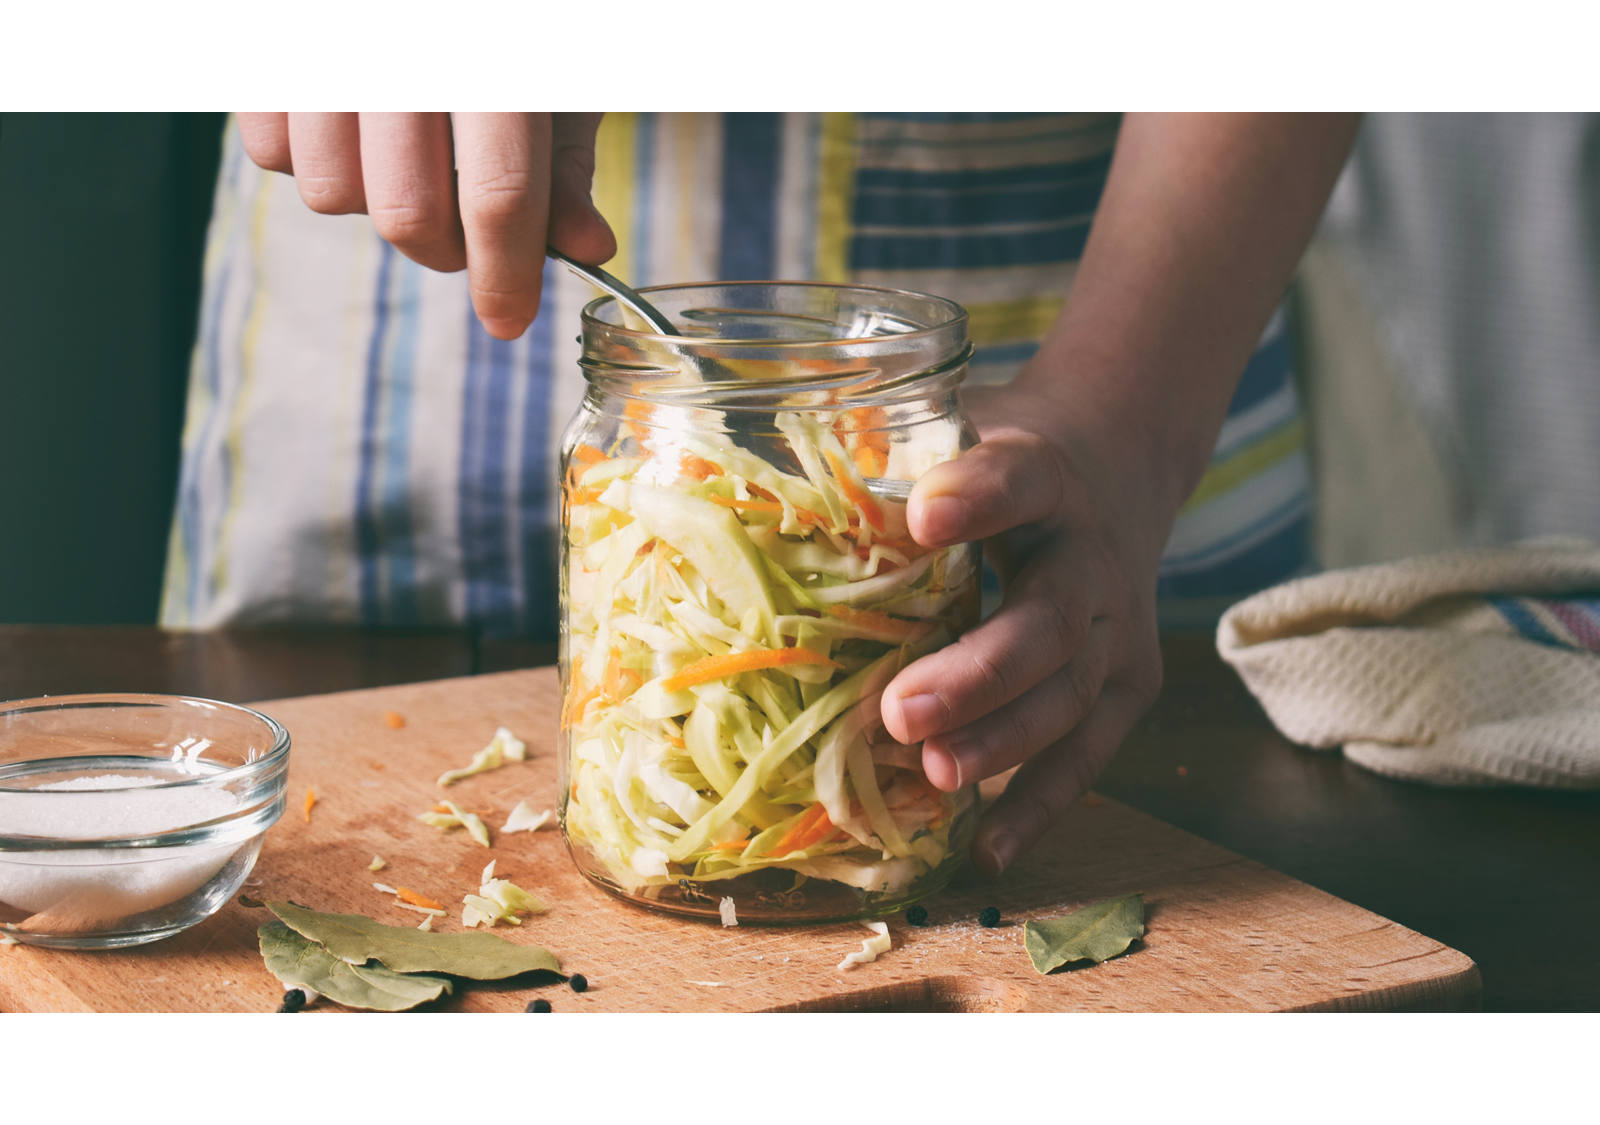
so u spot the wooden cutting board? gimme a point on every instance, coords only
(1224, 933)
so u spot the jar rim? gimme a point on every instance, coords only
(958, 316)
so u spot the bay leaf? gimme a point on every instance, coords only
(1094, 933)
(300, 963)
(356, 939)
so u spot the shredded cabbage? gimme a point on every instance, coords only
(731, 626)
(503, 747)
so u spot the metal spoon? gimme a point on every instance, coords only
(600, 279)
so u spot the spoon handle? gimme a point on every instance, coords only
(600, 279)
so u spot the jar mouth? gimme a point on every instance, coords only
(909, 316)
(764, 344)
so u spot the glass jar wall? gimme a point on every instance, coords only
(739, 586)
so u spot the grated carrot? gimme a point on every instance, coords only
(870, 462)
(806, 515)
(582, 458)
(813, 827)
(872, 619)
(732, 664)
(618, 682)
(638, 417)
(579, 695)
(405, 894)
(855, 493)
(578, 496)
(731, 846)
(697, 468)
(393, 720)
(311, 799)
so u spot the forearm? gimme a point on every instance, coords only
(1203, 220)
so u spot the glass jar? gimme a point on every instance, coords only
(738, 586)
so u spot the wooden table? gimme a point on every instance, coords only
(1508, 877)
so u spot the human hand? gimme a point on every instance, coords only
(1056, 678)
(484, 192)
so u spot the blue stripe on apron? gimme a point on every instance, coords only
(1263, 376)
(485, 554)
(1277, 557)
(538, 516)
(968, 251)
(749, 195)
(189, 487)
(368, 542)
(977, 206)
(1064, 173)
(397, 536)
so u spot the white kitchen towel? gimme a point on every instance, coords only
(1474, 667)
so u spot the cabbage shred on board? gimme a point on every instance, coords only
(732, 621)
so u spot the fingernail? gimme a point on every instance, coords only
(921, 716)
(995, 853)
(943, 517)
(952, 763)
(505, 329)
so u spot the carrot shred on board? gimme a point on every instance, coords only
(406, 894)
(393, 720)
(812, 827)
(732, 664)
(311, 799)
(855, 493)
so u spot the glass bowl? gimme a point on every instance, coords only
(127, 818)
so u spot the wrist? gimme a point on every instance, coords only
(1152, 435)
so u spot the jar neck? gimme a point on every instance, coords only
(764, 346)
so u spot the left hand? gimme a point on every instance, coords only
(1055, 679)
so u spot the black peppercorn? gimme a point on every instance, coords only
(989, 916)
(917, 916)
(579, 982)
(293, 1001)
(537, 1006)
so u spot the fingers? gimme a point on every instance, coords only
(326, 151)
(1039, 628)
(1048, 783)
(999, 484)
(486, 192)
(1012, 734)
(408, 173)
(503, 180)
(576, 228)
(266, 140)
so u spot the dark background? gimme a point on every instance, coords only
(102, 228)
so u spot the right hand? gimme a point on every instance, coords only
(484, 192)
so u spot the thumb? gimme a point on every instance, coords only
(1003, 482)
(576, 228)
